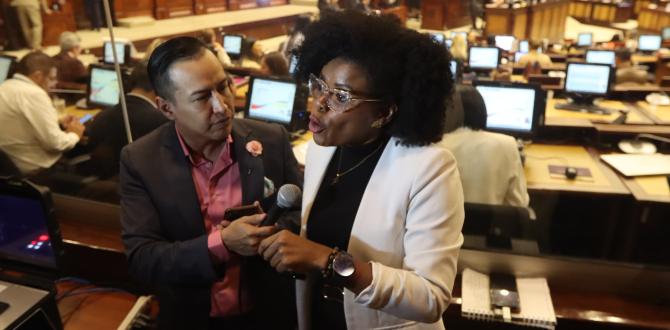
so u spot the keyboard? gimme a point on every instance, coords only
(583, 108)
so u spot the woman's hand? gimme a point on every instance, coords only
(289, 252)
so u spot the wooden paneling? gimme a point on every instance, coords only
(132, 8)
(520, 25)
(58, 22)
(498, 22)
(653, 20)
(432, 15)
(173, 8)
(442, 14)
(601, 13)
(210, 6)
(241, 4)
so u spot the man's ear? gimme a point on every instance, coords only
(37, 77)
(166, 107)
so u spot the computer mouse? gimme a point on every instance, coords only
(570, 172)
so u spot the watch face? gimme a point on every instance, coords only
(343, 264)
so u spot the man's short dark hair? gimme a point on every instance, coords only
(164, 56)
(624, 54)
(139, 78)
(35, 61)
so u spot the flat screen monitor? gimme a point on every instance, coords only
(665, 33)
(271, 100)
(511, 108)
(585, 39)
(232, 43)
(649, 42)
(590, 79)
(453, 34)
(29, 233)
(453, 66)
(438, 37)
(6, 63)
(524, 46)
(601, 57)
(103, 87)
(505, 43)
(483, 57)
(122, 52)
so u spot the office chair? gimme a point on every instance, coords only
(500, 227)
(7, 167)
(544, 80)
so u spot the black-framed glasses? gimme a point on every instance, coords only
(338, 100)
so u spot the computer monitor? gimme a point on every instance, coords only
(524, 46)
(271, 99)
(122, 52)
(512, 108)
(505, 43)
(483, 58)
(455, 70)
(103, 87)
(601, 57)
(518, 56)
(584, 82)
(232, 43)
(453, 34)
(6, 64)
(585, 39)
(649, 42)
(665, 33)
(30, 237)
(438, 37)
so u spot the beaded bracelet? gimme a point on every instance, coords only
(327, 272)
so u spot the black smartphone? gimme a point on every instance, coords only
(503, 292)
(235, 213)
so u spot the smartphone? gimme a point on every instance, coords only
(235, 213)
(503, 292)
(85, 118)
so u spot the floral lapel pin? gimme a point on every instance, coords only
(255, 148)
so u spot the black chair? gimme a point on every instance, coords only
(7, 167)
(500, 227)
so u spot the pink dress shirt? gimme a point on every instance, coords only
(219, 187)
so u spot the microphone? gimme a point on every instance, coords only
(289, 196)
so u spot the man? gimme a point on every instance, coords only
(176, 183)
(72, 73)
(30, 20)
(107, 133)
(626, 72)
(534, 56)
(30, 132)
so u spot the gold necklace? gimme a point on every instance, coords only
(339, 174)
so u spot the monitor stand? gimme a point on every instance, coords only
(583, 104)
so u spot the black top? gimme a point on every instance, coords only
(332, 217)
(107, 134)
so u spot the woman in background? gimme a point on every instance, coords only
(382, 206)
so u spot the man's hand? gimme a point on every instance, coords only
(72, 124)
(286, 251)
(243, 235)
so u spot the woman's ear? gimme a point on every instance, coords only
(386, 117)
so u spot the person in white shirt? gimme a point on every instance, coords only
(489, 163)
(30, 133)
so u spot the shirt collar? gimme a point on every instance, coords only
(153, 104)
(192, 159)
(23, 78)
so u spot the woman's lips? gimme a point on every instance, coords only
(315, 125)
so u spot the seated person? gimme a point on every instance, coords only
(627, 72)
(534, 56)
(489, 163)
(296, 35)
(274, 64)
(107, 133)
(252, 53)
(72, 73)
(459, 49)
(30, 133)
(208, 37)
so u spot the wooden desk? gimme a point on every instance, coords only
(74, 111)
(556, 117)
(104, 310)
(539, 157)
(660, 114)
(649, 188)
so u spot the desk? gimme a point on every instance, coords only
(649, 188)
(105, 310)
(540, 156)
(556, 117)
(76, 112)
(660, 114)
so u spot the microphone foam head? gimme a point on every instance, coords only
(289, 196)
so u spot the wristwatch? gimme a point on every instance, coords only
(343, 264)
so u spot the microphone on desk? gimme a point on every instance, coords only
(289, 196)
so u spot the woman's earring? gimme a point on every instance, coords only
(377, 124)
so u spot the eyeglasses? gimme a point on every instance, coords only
(337, 100)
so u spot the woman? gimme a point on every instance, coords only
(489, 163)
(375, 187)
(274, 64)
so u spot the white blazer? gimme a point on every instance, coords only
(408, 226)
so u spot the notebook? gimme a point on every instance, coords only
(536, 308)
(639, 165)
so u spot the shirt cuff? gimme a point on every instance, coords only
(217, 249)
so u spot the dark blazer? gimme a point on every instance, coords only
(107, 133)
(72, 74)
(164, 232)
